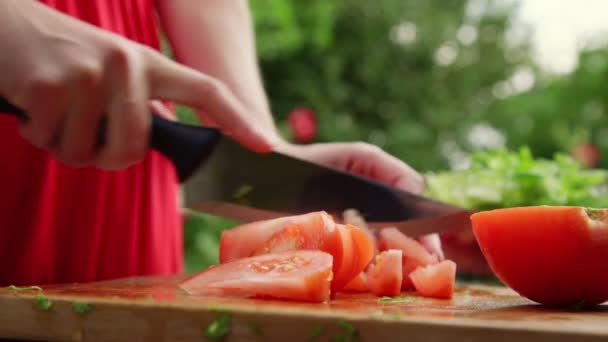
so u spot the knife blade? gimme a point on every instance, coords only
(224, 179)
(246, 186)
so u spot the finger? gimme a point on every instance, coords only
(159, 108)
(432, 243)
(174, 82)
(352, 216)
(128, 119)
(45, 102)
(80, 132)
(392, 171)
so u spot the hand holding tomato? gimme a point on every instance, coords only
(368, 161)
(70, 76)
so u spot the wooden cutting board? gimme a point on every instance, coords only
(154, 309)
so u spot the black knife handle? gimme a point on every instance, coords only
(185, 145)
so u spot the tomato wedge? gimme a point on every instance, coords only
(435, 280)
(294, 275)
(358, 284)
(314, 230)
(553, 255)
(414, 254)
(355, 252)
(384, 278)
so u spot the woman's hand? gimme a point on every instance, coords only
(368, 161)
(69, 76)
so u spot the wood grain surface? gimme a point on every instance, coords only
(155, 309)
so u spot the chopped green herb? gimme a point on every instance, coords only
(398, 299)
(43, 302)
(81, 307)
(219, 328)
(466, 293)
(350, 335)
(255, 328)
(241, 193)
(316, 333)
(23, 288)
(395, 315)
(347, 327)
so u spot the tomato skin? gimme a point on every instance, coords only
(436, 280)
(414, 254)
(384, 278)
(317, 230)
(551, 255)
(294, 275)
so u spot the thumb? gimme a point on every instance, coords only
(174, 82)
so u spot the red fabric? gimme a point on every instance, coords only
(59, 224)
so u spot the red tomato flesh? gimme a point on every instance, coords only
(358, 284)
(435, 280)
(294, 275)
(352, 257)
(314, 230)
(414, 254)
(556, 256)
(384, 278)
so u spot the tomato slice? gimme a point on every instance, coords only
(314, 230)
(384, 278)
(294, 275)
(358, 284)
(414, 254)
(435, 280)
(553, 255)
(343, 259)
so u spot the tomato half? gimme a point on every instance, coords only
(414, 254)
(314, 230)
(294, 275)
(384, 278)
(435, 280)
(552, 255)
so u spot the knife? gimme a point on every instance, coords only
(224, 179)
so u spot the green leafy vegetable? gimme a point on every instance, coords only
(23, 288)
(398, 299)
(43, 302)
(219, 328)
(316, 333)
(81, 307)
(255, 328)
(501, 178)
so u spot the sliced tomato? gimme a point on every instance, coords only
(414, 254)
(314, 230)
(553, 255)
(435, 280)
(294, 275)
(355, 253)
(343, 259)
(384, 278)
(364, 249)
(358, 284)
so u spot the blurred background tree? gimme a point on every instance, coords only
(430, 81)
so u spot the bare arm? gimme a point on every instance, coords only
(217, 38)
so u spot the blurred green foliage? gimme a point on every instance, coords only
(390, 72)
(430, 81)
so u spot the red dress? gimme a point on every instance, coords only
(59, 224)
